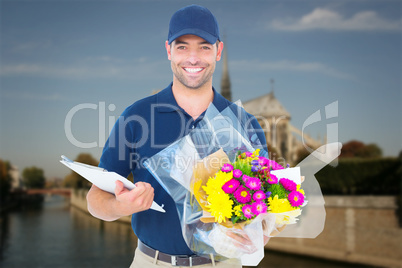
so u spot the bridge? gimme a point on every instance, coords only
(52, 191)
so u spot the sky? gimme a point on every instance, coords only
(69, 68)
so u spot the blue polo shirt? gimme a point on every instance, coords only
(143, 129)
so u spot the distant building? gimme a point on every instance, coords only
(274, 119)
(16, 179)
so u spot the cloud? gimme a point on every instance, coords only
(325, 19)
(99, 67)
(288, 65)
(27, 95)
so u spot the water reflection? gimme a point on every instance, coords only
(57, 235)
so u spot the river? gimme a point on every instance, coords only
(53, 234)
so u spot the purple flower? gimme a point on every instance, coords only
(259, 195)
(259, 207)
(254, 162)
(288, 184)
(248, 211)
(268, 194)
(263, 161)
(253, 183)
(237, 173)
(227, 168)
(296, 198)
(230, 186)
(242, 195)
(272, 179)
(255, 168)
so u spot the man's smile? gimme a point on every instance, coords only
(193, 70)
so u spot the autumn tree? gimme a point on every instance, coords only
(33, 177)
(356, 148)
(76, 181)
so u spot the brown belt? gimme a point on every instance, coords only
(172, 259)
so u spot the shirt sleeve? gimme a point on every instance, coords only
(118, 148)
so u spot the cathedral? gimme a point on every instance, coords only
(284, 140)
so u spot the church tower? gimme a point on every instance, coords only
(225, 82)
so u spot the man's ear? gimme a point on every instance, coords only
(220, 49)
(168, 49)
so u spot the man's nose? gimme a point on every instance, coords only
(193, 57)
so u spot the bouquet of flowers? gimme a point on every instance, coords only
(225, 187)
(246, 188)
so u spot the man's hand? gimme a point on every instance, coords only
(242, 241)
(110, 207)
(132, 201)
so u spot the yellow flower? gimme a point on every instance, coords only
(215, 184)
(277, 205)
(300, 190)
(238, 211)
(220, 206)
(255, 154)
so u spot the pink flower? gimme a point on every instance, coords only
(272, 179)
(246, 178)
(263, 161)
(242, 195)
(248, 211)
(274, 166)
(288, 184)
(227, 168)
(237, 173)
(253, 183)
(248, 154)
(259, 195)
(259, 207)
(230, 186)
(296, 198)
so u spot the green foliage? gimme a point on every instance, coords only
(5, 179)
(277, 189)
(76, 181)
(244, 166)
(33, 177)
(358, 176)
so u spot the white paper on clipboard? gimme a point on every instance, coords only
(102, 178)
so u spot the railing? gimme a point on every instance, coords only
(52, 191)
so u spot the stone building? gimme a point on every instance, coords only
(283, 138)
(16, 179)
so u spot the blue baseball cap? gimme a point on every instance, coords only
(196, 20)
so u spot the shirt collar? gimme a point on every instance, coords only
(167, 103)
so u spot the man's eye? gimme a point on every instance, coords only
(206, 48)
(181, 47)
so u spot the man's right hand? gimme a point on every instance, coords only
(110, 207)
(132, 201)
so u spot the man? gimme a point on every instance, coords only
(153, 123)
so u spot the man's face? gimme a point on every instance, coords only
(193, 60)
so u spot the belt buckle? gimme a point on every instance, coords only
(173, 261)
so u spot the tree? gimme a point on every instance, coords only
(301, 153)
(372, 151)
(33, 177)
(5, 180)
(76, 181)
(356, 148)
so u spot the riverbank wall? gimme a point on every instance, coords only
(358, 229)
(78, 199)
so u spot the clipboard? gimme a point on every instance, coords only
(102, 178)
